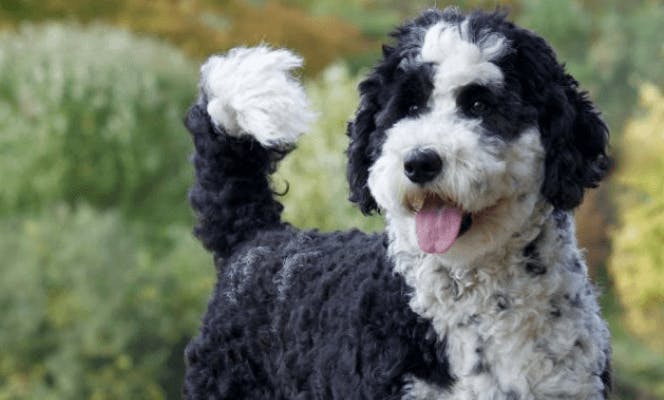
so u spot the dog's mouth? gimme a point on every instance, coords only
(439, 221)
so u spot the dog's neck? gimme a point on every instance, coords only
(523, 253)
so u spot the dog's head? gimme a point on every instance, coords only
(466, 122)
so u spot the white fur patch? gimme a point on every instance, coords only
(251, 91)
(459, 61)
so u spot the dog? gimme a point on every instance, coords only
(476, 145)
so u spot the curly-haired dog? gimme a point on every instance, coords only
(477, 146)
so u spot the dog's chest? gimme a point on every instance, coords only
(508, 336)
(491, 347)
(492, 337)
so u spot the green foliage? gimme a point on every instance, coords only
(88, 312)
(611, 48)
(637, 370)
(203, 27)
(94, 161)
(94, 115)
(320, 39)
(317, 168)
(373, 19)
(637, 262)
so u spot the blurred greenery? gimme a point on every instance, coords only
(102, 281)
(95, 120)
(91, 312)
(320, 162)
(202, 27)
(103, 284)
(637, 263)
(610, 46)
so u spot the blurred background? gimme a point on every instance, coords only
(101, 282)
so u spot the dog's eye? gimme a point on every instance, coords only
(413, 109)
(476, 101)
(479, 107)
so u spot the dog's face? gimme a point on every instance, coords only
(463, 126)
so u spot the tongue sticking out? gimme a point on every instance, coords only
(437, 227)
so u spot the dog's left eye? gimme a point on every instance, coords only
(475, 100)
(479, 107)
(413, 109)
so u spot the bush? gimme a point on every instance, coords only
(94, 115)
(94, 161)
(637, 262)
(90, 313)
(316, 170)
(203, 27)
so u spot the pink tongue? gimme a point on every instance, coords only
(437, 228)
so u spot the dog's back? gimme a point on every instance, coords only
(295, 314)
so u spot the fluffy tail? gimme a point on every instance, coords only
(248, 116)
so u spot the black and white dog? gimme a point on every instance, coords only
(476, 145)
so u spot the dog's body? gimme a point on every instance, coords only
(476, 145)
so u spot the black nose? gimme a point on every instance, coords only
(422, 165)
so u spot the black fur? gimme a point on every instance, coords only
(295, 314)
(231, 196)
(573, 134)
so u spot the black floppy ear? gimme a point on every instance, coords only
(361, 149)
(576, 140)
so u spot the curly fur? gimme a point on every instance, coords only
(293, 312)
(507, 312)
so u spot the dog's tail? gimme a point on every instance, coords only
(248, 116)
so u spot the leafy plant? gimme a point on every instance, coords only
(90, 312)
(94, 115)
(637, 261)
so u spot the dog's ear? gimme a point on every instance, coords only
(576, 140)
(361, 149)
